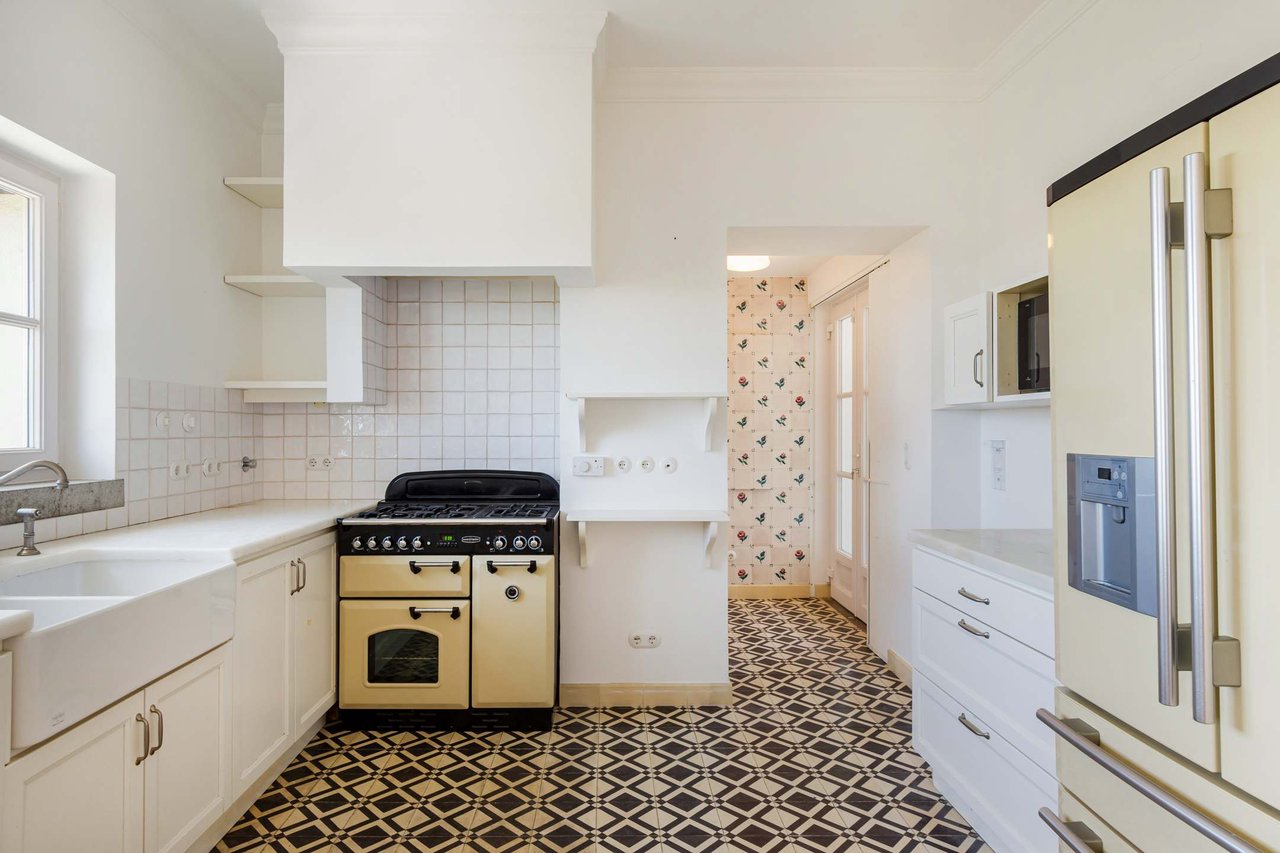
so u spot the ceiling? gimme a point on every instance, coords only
(938, 34)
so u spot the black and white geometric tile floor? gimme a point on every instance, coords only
(814, 755)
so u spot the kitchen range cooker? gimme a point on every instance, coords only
(448, 601)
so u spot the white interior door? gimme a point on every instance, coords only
(850, 570)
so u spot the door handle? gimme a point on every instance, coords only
(146, 739)
(1078, 837)
(986, 635)
(416, 612)
(964, 593)
(302, 564)
(968, 724)
(159, 730)
(977, 355)
(293, 571)
(531, 566)
(416, 566)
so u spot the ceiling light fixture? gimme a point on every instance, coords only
(747, 263)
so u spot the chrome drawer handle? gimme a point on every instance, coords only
(1086, 739)
(964, 593)
(416, 612)
(531, 566)
(986, 635)
(146, 739)
(1078, 837)
(968, 724)
(416, 566)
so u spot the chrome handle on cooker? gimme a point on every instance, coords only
(986, 635)
(964, 593)
(146, 739)
(159, 730)
(531, 566)
(416, 612)
(1075, 835)
(1162, 244)
(1087, 739)
(416, 566)
(969, 724)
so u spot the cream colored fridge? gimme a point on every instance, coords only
(1165, 323)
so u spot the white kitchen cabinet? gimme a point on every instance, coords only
(967, 351)
(284, 652)
(313, 634)
(106, 786)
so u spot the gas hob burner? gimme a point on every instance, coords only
(396, 511)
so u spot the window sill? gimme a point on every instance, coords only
(80, 496)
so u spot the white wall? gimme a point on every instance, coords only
(836, 272)
(79, 74)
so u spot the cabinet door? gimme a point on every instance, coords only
(80, 791)
(261, 713)
(967, 350)
(513, 633)
(188, 774)
(314, 611)
(1246, 353)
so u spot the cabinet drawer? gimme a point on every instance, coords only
(1002, 680)
(1018, 612)
(1142, 822)
(997, 788)
(405, 576)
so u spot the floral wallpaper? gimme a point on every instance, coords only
(770, 430)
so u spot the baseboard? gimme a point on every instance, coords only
(899, 666)
(757, 591)
(822, 590)
(643, 695)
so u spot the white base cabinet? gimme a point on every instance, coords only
(149, 773)
(285, 647)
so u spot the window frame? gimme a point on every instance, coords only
(42, 190)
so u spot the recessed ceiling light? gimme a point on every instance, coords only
(747, 263)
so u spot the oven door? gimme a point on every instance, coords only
(406, 653)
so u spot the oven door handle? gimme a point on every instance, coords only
(416, 612)
(531, 566)
(416, 567)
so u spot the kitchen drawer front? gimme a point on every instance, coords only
(1072, 811)
(405, 576)
(1018, 612)
(1142, 822)
(1002, 680)
(997, 788)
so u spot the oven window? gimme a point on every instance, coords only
(403, 656)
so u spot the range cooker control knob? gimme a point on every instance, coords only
(499, 543)
(386, 543)
(357, 544)
(402, 544)
(372, 544)
(535, 543)
(518, 543)
(417, 543)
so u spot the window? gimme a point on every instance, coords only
(28, 302)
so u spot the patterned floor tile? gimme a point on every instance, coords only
(814, 756)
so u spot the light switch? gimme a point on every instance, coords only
(588, 466)
(997, 464)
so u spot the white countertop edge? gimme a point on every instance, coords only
(15, 622)
(1023, 557)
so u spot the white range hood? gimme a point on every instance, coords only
(428, 145)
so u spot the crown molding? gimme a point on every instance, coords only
(179, 44)
(854, 84)
(571, 32)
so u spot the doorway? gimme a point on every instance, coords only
(848, 392)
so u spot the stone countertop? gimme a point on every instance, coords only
(1022, 556)
(240, 533)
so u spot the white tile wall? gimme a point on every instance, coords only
(472, 381)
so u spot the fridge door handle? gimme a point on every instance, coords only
(1161, 338)
(1085, 738)
(1077, 837)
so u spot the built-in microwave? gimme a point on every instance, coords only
(1033, 343)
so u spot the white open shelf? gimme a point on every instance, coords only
(281, 390)
(264, 192)
(711, 519)
(711, 405)
(275, 285)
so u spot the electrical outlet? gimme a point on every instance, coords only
(317, 463)
(646, 464)
(669, 465)
(644, 641)
(623, 464)
(588, 466)
(997, 464)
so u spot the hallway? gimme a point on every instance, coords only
(814, 755)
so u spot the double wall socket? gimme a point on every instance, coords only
(644, 641)
(317, 463)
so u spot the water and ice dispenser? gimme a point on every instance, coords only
(1111, 533)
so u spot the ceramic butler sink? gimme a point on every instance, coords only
(105, 624)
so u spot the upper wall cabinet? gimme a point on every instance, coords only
(967, 351)
(456, 145)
